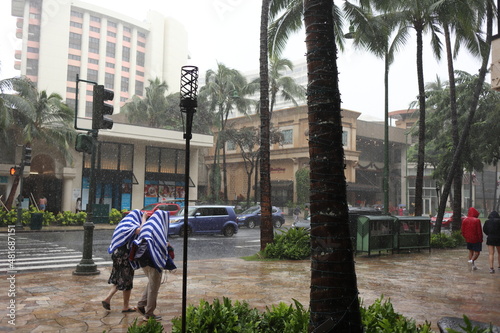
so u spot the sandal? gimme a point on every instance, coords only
(129, 310)
(106, 305)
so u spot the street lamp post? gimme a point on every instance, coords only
(188, 104)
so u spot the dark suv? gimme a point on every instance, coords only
(251, 217)
(205, 220)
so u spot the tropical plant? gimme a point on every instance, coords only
(39, 117)
(293, 244)
(280, 85)
(266, 226)
(225, 89)
(334, 295)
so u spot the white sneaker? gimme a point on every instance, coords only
(471, 264)
(492, 271)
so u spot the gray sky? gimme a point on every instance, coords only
(227, 31)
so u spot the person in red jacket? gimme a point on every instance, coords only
(473, 234)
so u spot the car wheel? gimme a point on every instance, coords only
(251, 223)
(277, 223)
(228, 231)
(181, 232)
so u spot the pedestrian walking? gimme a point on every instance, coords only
(296, 213)
(492, 229)
(122, 273)
(153, 256)
(473, 234)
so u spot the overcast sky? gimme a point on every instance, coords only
(227, 31)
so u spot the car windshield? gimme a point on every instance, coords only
(448, 214)
(252, 210)
(149, 207)
(191, 210)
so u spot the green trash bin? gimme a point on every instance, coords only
(36, 221)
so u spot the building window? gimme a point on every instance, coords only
(125, 69)
(110, 65)
(140, 58)
(139, 88)
(93, 61)
(32, 67)
(111, 34)
(123, 99)
(110, 49)
(34, 16)
(34, 32)
(124, 84)
(74, 57)
(141, 44)
(109, 80)
(141, 34)
(92, 75)
(95, 18)
(126, 39)
(72, 71)
(287, 136)
(126, 29)
(71, 102)
(93, 45)
(231, 145)
(95, 29)
(76, 24)
(126, 53)
(344, 138)
(139, 73)
(75, 41)
(76, 14)
(71, 89)
(33, 49)
(111, 24)
(88, 109)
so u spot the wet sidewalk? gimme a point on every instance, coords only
(423, 286)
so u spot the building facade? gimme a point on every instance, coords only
(135, 165)
(363, 154)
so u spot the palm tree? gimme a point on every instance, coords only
(289, 89)
(266, 229)
(289, 21)
(225, 90)
(419, 16)
(375, 33)
(459, 17)
(156, 109)
(334, 301)
(43, 118)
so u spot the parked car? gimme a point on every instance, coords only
(205, 220)
(447, 219)
(354, 212)
(173, 208)
(251, 217)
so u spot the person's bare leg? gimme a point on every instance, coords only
(112, 292)
(498, 255)
(491, 255)
(126, 299)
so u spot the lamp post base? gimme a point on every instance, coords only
(86, 269)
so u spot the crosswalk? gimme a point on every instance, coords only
(28, 255)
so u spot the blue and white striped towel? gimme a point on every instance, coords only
(125, 230)
(154, 232)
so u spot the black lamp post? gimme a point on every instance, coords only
(188, 104)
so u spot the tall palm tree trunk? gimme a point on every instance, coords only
(419, 181)
(334, 296)
(266, 228)
(473, 107)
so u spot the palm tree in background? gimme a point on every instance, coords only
(39, 117)
(156, 109)
(461, 18)
(225, 90)
(334, 303)
(419, 16)
(285, 86)
(376, 34)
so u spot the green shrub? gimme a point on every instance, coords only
(380, 317)
(115, 216)
(285, 319)
(292, 244)
(219, 317)
(443, 241)
(151, 326)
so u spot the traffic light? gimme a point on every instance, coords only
(100, 109)
(84, 143)
(27, 155)
(15, 170)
